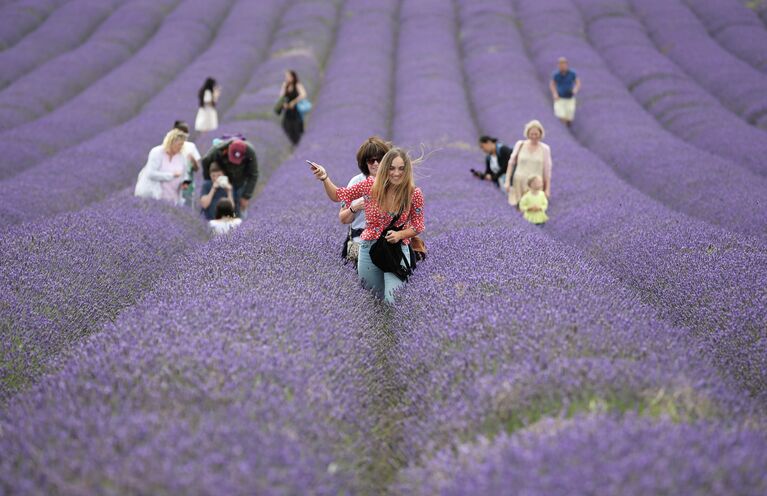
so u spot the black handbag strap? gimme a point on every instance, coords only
(394, 221)
(391, 224)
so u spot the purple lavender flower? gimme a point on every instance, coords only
(665, 91)
(677, 264)
(679, 34)
(601, 455)
(255, 362)
(65, 28)
(53, 83)
(736, 28)
(17, 19)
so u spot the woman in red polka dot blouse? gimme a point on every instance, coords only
(390, 192)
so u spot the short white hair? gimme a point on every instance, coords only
(535, 123)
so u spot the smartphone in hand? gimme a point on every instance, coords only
(312, 165)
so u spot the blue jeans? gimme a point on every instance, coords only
(382, 284)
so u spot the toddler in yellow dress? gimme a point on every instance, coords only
(534, 203)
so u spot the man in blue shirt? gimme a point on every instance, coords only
(564, 85)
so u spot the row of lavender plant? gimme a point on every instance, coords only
(121, 94)
(17, 19)
(679, 34)
(307, 50)
(46, 266)
(65, 29)
(250, 372)
(53, 83)
(735, 27)
(301, 42)
(557, 458)
(87, 173)
(289, 52)
(676, 263)
(676, 101)
(64, 277)
(759, 7)
(494, 340)
(613, 125)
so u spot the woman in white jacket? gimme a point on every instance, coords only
(163, 173)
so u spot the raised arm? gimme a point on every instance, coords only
(207, 199)
(330, 189)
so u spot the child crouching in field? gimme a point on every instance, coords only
(534, 203)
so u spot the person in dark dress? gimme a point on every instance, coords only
(291, 93)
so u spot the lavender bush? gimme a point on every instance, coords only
(679, 34)
(65, 29)
(676, 101)
(257, 371)
(498, 343)
(74, 170)
(759, 7)
(187, 31)
(598, 353)
(64, 277)
(53, 83)
(613, 125)
(735, 27)
(601, 455)
(304, 54)
(265, 138)
(19, 18)
(677, 264)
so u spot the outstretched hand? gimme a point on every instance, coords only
(319, 171)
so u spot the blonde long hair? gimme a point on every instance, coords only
(173, 136)
(382, 187)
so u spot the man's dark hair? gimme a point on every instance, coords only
(181, 126)
(373, 147)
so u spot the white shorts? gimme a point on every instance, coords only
(564, 108)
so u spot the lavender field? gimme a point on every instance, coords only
(619, 350)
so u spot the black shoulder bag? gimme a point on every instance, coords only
(388, 256)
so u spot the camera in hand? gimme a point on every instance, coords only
(222, 182)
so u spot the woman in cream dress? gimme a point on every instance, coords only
(531, 157)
